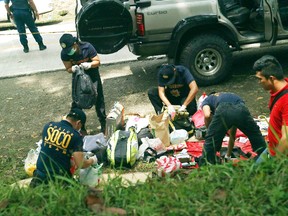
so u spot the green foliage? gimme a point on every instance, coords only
(241, 189)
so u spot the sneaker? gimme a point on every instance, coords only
(26, 49)
(42, 46)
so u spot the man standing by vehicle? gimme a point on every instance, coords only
(224, 111)
(176, 86)
(60, 141)
(75, 53)
(22, 15)
(270, 75)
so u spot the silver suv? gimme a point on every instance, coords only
(200, 34)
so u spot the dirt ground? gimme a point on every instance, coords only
(28, 102)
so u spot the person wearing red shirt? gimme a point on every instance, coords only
(270, 75)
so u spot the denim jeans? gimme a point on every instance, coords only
(22, 18)
(263, 157)
(226, 116)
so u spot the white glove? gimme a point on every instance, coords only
(171, 111)
(75, 68)
(86, 65)
(182, 108)
(95, 160)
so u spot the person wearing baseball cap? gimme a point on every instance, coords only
(176, 86)
(66, 42)
(77, 53)
(60, 141)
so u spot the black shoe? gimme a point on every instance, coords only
(42, 46)
(26, 49)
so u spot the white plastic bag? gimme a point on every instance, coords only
(178, 136)
(30, 161)
(94, 142)
(91, 175)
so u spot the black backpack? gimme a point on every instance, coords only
(84, 92)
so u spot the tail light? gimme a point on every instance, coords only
(140, 24)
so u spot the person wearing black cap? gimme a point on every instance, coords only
(176, 86)
(22, 16)
(226, 111)
(75, 53)
(60, 141)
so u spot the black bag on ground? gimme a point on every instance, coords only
(96, 144)
(181, 121)
(84, 92)
(143, 133)
(123, 148)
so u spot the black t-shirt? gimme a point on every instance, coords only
(59, 141)
(214, 100)
(87, 52)
(180, 88)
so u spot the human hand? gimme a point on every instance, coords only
(94, 159)
(182, 108)
(75, 68)
(171, 111)
(86, 65)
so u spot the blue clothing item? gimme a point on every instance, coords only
(229, 110)
(176, 93)
(263, 157)
(18, 4)
(87, 52)
(59, 141)
(214, 100)
(24, 17)
(180, 87)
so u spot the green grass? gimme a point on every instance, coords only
(213, 190)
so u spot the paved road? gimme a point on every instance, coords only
(14, 62)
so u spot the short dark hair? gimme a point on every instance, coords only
(268, 65)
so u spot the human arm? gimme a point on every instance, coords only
(81, 162)
(34, 8)
(207, 115)
(231, 142)
(68, 65)
(192, 93)
(95, 62)
(8, 9)
(161, 92)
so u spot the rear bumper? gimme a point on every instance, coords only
(149, 49)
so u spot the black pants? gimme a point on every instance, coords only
(100, 103)
(40, 178)
(228, 115)
(158, 104)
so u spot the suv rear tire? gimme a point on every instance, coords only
(209, 59)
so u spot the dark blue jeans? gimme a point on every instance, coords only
(22, 18)
(226, 116)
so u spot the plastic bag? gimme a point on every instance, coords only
(178, 136)
(91, 175)
(160, 127)
(30, 161)
(98, 145)
(167, 166)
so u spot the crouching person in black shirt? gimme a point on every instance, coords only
(60, 141)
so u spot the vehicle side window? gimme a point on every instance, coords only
(283, 11)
